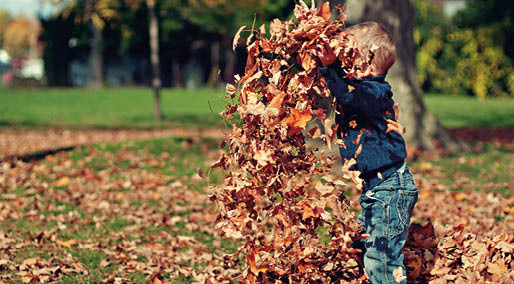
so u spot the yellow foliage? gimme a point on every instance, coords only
(19, 34)
(465, 60)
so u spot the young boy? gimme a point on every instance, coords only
(389, 191)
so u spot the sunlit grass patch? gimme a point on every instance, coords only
(489, 169)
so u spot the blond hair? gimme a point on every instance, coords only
(374, 37)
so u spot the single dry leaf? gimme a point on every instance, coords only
(64, 181)
(236, 37)
(394, 126)
(68, 243)
(324, 11)
(398, 274)
(31, 261)
(297, 118)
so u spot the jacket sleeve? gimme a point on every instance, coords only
(369, 97)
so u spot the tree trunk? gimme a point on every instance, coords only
(398, 16)
(154, 58)
(95, 55)
(175, 71)
(230, 63)
(212, 82)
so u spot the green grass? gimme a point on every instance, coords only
(121, 107)
(491, 170)
(460, 111)
(133, 107)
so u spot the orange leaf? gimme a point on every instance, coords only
(64, 181)
(67, 244)
(358, 151)
(351, 88)
(394, 126)
(497, 268)
(253, 268)
(324, 11)
(277, 100)
(307, 212)
(31, 261)
(297, 118)
(308, 63)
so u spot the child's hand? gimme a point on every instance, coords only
(326, 55)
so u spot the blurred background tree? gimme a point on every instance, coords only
(5, 19)
(470, 53)
(19, 35)
(464, 53)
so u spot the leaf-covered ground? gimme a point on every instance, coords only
(139, 211)
(24, 142)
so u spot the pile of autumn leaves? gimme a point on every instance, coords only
(280, 198)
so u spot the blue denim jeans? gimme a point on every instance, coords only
(385, 216)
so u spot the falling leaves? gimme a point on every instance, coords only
(279, 197)
(273, 197)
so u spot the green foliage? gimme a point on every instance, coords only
(462, 56)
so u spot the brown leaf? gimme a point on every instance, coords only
(414, 268)
(236, 37)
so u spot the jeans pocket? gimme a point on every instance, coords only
(401, 211)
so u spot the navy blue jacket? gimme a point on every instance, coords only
(364, 108)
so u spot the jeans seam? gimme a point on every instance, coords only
(400, 193)
(386, 236)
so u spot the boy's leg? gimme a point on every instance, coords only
(386, 212)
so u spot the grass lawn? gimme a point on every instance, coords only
(121, 107)
(133, 107)
(459, 111)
